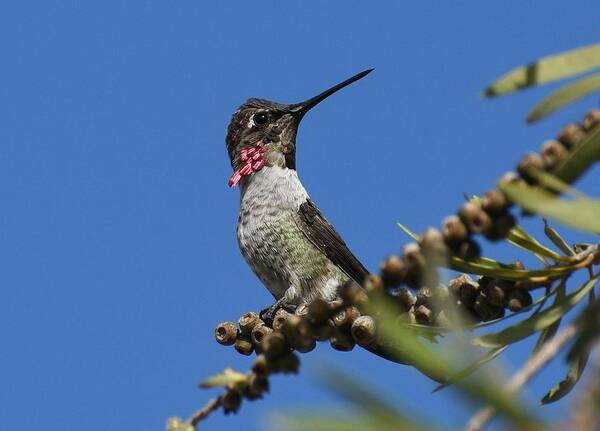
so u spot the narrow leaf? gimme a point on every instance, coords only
(479, 267)
(547, 69)
(553, 183)
(557, 239)
(408, 232)
(581, 213)
(536, 322)
(577, 361)
(564, 96)
(535, 247)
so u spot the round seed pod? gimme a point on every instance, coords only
(342, 341)
(259, 333)
(467, 250)
(468, 292)
(571, 135)
(484, 309)
(363, 330)
(258, 384)
(304, 345)
(318, 310)
(518, 299)
(280, 319)
(494, 202)
(591, 120)
(260, 365)
(274, 345)
(226, 333)
(508, 177)
(553, 154)
(302, 336)
(433, 246)
(456, 283)
(423, 315)
(289, 326)
(244, 346)
(352, 294)
(474, 218)
(344, 318)
(501, 226)
(405, 298)
(324, 331)
(248, 321)
(454, 231)
(286, 364)
(424, 296)
(231, 402)
(393, 271)
(496, 292)
(373, 284)
(415, 262)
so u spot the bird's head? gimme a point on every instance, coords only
(263, 133)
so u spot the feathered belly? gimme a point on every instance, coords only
(284, 260)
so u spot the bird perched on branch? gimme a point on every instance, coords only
(282, 234)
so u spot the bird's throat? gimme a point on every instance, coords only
(251, 160)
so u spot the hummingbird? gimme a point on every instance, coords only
(282, 234)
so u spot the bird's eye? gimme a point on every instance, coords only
(260, 118)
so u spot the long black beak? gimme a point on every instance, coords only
(303, 107)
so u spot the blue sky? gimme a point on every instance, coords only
(117, 235)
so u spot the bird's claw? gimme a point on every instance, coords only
(268, 314)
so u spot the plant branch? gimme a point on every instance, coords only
(203, 413)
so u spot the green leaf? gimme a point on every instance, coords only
(507, 273)
(467, 371)
(547, 69)
(576, 367)
(408, 232)
(226, 378)
(553, 183)
(557, 239)
(581, 213)
(581, 157)
(536, 322)
(528, 243)
(564, 96)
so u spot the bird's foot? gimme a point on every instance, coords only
(268, 314)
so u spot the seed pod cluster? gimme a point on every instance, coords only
(340, 321)
(488, 216)
(555, 151)
(486, 298)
